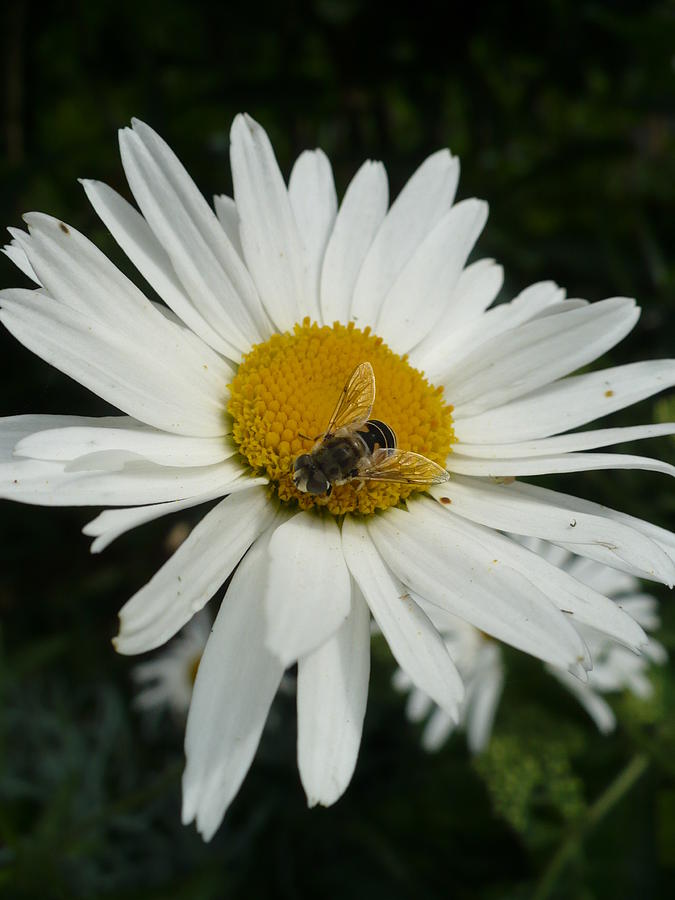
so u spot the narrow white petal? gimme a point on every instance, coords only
(437, 730)
(76, 273)
(643, 608)
(194, 573)
(121, 433)
(451, 564)
(14, 429)
(18, 256)
(544, 465)
(48, 483)
(424, 200)
(361, 212)
(514, 508)
(244, 303)
(537, 353)
(419, 704)
(226, 211)
(311, 190)
(415, 302)
(596, 706)
(208, 266)
(269, 232)
(477, 287)
(141, 383)
(566, 443)
(480, 717)
(112, 523)
(664, 539)
(138, 241)
(416, 645)
(580, 602)
(568, 403)
(455, 344)
(332, 694)
(308, 594)
(236, 683)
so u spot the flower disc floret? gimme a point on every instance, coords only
(288, 386)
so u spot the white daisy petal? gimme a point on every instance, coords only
(568, 403)
(643, 608)
(452, 345)
(514, 508)
(440, 559)
(662, 538)
(332, 694)
(208, 266)
(194, 573)
(596, 706)
(437, 730)
(112, 523)
(544, 465)
(481, 715)
(18, 256)
(122, 433)
(226, 211)
(479, 723)
(414, 642)
(167, 679)
(361, 212)
(308, 594)
(141, 384)
(268, 229)
(567, 443)
(419, 207)
(536, 353)
(419, 704)
(137, 240)
(416, 300)
(47, 483)
(77, 274)
(602, 578)
(477, 287)
(243, 301)
(231, 699)
(583, 604)
(311, 190)
(14, 429)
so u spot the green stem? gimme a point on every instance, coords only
(609, 798)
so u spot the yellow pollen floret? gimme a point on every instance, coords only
(288, 387)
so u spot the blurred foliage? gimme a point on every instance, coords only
(564, 117)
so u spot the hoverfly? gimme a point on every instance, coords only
(355, 447)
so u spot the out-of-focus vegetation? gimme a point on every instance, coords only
(564, 117)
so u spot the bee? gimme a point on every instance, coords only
(356, 447)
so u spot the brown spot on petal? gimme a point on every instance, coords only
(64, 228)
(445, 500)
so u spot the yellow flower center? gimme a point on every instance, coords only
(289, 386)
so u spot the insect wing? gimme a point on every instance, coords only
(403, 467)
(356, 400)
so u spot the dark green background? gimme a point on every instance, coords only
(564, 117)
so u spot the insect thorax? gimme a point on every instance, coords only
(338, 456)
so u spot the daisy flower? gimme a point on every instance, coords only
(167, 679)
(479, 659)
(268, 305)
